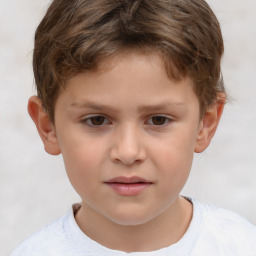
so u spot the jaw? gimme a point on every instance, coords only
(134, 235)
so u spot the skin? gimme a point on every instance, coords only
(128, 120)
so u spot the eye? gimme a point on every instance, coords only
(96, 121)
(159, 120)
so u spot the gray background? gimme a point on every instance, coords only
(34, 189)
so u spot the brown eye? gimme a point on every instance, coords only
(95, 121)
(159, 120)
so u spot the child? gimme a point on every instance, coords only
(128, 90)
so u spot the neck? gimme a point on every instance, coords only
(166, 229)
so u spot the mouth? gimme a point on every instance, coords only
(128, 186)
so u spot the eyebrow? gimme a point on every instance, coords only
(91, 105)
(152, 107)
(163, 106)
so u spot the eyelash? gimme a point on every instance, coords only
(88, 120)
(166, 120)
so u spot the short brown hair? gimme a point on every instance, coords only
(76, 35)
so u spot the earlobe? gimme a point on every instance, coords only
(44, 126)
(209, 123)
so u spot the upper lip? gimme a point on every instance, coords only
(128, 180)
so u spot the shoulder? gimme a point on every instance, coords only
(44, 242)
(227, 229)
(214, 217)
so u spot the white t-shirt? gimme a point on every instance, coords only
(212, 232)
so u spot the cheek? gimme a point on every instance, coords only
(173, 175)
(177, 149)
(174, 158)
(175, 167)
(82, 161)
(80, 151)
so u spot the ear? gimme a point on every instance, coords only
(209, 123)
(44, 126)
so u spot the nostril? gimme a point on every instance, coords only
(128, 149)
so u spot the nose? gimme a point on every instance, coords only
(127, 147)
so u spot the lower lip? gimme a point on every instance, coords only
(131, 189)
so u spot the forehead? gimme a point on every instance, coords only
(133, 55)
(128, 65)
(128, 80)
(131, 59)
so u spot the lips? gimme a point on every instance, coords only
(128, 186)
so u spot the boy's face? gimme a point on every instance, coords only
(127, 135)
